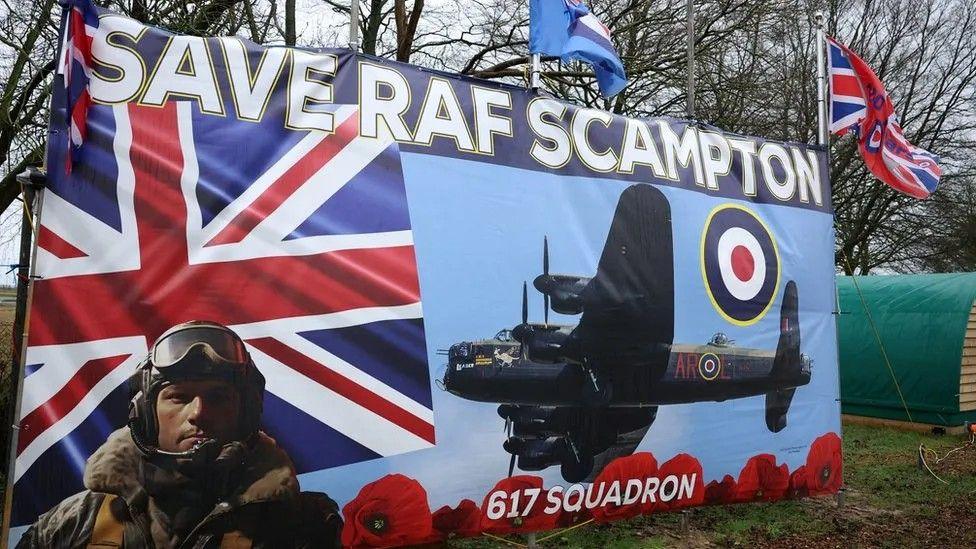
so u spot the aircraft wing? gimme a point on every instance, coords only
(629, 304)
(581, 440)
(625, 444)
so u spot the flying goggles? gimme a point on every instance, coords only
(180, 352)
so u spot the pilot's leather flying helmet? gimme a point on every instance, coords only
(193, 350)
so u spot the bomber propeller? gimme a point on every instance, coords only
(545, 272)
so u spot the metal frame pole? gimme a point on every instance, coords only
(536, 80)
(823, 140)
(690, 107)
(821, 81)
(354, 25)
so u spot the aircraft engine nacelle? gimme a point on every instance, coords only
(548, 343)
(565, 291)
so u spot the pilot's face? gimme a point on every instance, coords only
(192, 411)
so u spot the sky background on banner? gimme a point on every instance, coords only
(506, 224)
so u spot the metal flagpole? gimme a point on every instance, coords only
(823, 132)
(536, 71)
(823, 140)
(821, 81)
(354, 25)
(690, 108)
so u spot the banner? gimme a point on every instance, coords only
(403, 305)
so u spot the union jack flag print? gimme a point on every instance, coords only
(81, 21)
(859, 103)
(847, 104)
(299, 241)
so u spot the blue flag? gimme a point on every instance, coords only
(567, 28)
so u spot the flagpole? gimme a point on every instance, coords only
(536, 71)
(690, 15)
(821, 81)
(354, 25)
(822, 139)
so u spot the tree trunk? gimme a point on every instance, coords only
(290, 22)
(406, 27)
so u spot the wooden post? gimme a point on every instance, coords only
(32, 181)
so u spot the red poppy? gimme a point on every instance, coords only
(825, 465)
(798, 483)
(387, 512)
(687, 469)
(463, 520)
(720, 492)
(514, 497)
(761, 479)
(623, 480)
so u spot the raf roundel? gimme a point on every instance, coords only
(740, 264)
(709, 366)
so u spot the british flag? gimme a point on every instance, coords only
(847, 105)
(859, 102)
(300, 241)
(81, 22)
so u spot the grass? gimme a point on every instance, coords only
(888, 502)
(8, 298)
(887, 475)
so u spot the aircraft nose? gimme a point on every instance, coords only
(460, 350)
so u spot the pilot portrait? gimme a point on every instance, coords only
(192, 467)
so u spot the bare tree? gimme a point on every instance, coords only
(28, 36)
(755, 75)
(925, 53)
(406, 26)
(290, 23)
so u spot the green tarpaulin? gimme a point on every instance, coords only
(922, 322)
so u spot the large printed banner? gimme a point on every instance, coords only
(474, 308)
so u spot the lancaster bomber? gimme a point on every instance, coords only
(580, 395)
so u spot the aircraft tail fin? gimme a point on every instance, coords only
(788, 363)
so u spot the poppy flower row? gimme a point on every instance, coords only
(762, 480)
(394, 510)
